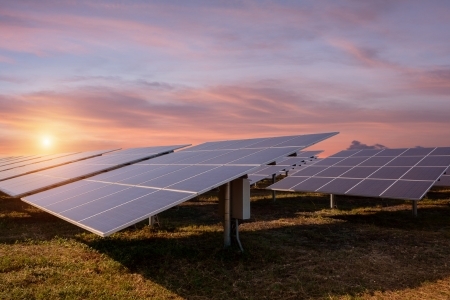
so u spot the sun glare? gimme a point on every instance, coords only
(46, 142)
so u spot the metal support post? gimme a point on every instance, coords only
(414, 208)
(235, 229)
(153, 221)
(332, 201)
(227, 217)
(274, 193)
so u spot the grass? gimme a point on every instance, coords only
(295, 248)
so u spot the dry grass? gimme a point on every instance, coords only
(295, 248)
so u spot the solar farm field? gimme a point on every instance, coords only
(295, 248)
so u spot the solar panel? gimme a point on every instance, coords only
(72, 171)
(424, 173)
(417, 152)
(375, 173)
(93, 204)
(389, 173)
(309, 171)
(376, 161)
(443, 181)
(312, 184)
(254, 178)
(441, 151)
(339, 185)
(407, 161)
(404, 189)
(27, 169)
(359, 172)
(370, 187)
(333, 171)
(288, 183)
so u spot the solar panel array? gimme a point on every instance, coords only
(34, 182)
(32, 160)
(109, 202)
(42, 165)
(389, 173)
(283, 164)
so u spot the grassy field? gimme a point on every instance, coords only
(295, 248)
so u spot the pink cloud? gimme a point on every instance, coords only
(119, 117)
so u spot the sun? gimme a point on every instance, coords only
(46, 142)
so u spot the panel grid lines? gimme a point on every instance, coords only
(393, 176)
(132, 193)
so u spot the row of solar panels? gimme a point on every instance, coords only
(115, 189)
(389, 173)
(120, 189)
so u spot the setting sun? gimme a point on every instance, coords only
(46, 142)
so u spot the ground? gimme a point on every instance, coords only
(295, 248)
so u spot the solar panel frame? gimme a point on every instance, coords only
(134, 210)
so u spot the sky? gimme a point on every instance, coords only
(86, 75)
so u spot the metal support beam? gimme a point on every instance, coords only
(274, 193)
(414, 208)
(153, 221)
(227, 217)
(332, 201)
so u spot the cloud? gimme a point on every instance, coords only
(357, 145)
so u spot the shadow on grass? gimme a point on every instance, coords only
(299, 261)
(287, 254)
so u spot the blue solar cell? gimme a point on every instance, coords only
(271, 142)
(339, 186)
(435, 161)
(359, 172)
(90, 206)
(176, 176)
(287, 183)
(311, 184)
(254, 178)
(264, 156)
(404, 189)
(309, 171)
(229, 157)
(211, 179)
(127, 214)
(146, 176)
(390, 173)
(376, 161)
(204, 156)
(404, 161)
(351, 161)
(441, 151)
(172, 158)
(240, 144)
(417, 152)
(306, 140)
(81, 199)
(370, 188)
(424, 173)
(443, 181)
(333, 171)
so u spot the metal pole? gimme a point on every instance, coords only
(274, 195)
(332, 201)
(414, 208)
(227, 218)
